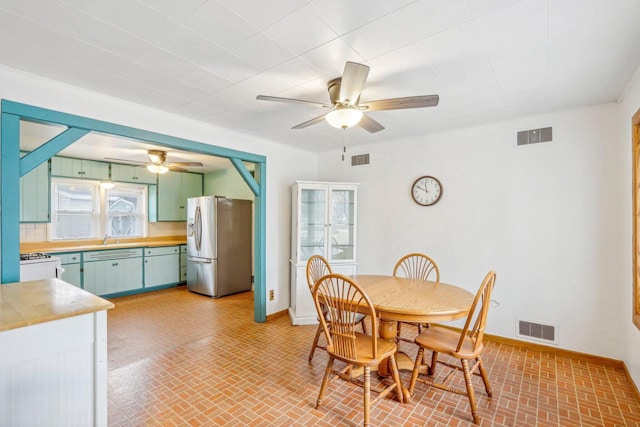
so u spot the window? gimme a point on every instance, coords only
(75, 211)
(82, 210)
(125, 211)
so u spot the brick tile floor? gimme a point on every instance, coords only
(181, 359)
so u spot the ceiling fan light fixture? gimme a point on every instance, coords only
(344, 117)
(157, 168)
(107, 185)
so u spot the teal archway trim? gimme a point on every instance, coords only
(50, 148)
(11, 168)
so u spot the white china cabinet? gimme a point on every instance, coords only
(323, 223)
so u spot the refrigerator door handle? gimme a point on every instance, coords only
(198, 225)
(200, 260)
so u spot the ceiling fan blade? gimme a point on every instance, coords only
(184, 164)
(175, 168)
(291, 100)
(309, 122)
(401, 103)
(353, 79)
(126, 160)
(370, 125)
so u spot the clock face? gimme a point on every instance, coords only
(426, 190)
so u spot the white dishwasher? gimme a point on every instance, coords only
(38, 266)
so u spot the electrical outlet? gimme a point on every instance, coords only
(271, 295)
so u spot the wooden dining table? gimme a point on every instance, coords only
(397, 299)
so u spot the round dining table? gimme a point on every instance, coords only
(398, 299)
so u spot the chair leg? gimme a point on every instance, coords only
(485, 377)
(434, 361)
(325, 380)
(315, 342)
(470, 392)
(416, 368)
(396, 379)
(364, 326)
(367, 394)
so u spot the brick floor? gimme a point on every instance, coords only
(181, 359)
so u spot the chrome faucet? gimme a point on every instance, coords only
(106, 237)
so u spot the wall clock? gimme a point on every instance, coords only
(426, 191)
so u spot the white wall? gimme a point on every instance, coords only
(284, 164)
(546, 217)
(629, 105)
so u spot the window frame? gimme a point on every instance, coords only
(100, 214)
(635, 137)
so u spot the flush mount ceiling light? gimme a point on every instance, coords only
(157, 168)
(107, 185)
(344, 117)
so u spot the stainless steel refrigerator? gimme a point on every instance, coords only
(218, 245)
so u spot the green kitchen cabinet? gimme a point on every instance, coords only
(71, 263)
(161, 266)
(79, 168)
(183, 263)
(133, 174)
(174, 188)
(112, 271)
(35, 195)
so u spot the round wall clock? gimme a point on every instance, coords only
(426, 191)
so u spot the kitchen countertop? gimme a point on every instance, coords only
(29, 303)
(96, 245)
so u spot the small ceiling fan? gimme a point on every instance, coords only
(158, 162)
(346, 109)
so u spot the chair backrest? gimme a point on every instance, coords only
(317, 267)
(417, 266)
(344, 299)
(477, 318)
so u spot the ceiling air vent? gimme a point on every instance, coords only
(360, 159)
(534, 136)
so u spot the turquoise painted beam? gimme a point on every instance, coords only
(49, 149)
(246, 175)
(42, 115)
(10, 198)
(260, 246)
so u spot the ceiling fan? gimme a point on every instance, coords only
(346, 110)
(158, 162)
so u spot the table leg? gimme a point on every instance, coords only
(387, 329)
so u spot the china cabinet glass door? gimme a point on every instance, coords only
(341, 224)
(313, 208)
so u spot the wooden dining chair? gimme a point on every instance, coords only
(317, 267)
(466, 346)
(416, 266)
(343, 298)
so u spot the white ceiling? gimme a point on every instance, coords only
(208, 59)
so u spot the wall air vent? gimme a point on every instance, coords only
(360, 159)
(534, 136)
(537, 331)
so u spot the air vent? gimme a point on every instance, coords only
(534, 136)
(360, 159)
(538, 331)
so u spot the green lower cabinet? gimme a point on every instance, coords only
(108, 276)
(72, 268)
(161, 266)
(183, 263)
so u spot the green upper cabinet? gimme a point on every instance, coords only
(34, 195)
(135, 174)
(174, 188)
(78, 168)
